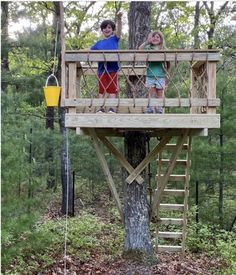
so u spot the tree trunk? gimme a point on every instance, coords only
(213, 17)
(196, 25)
(5, 43)
(66, 176)
(136, 209)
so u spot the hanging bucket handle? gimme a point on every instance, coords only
(51, 75)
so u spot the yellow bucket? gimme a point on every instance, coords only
(52, 93)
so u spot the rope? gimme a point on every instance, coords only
(55, 50)
(67, 200)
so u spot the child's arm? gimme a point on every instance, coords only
(119, 24)
(149, 41)
(142, 46)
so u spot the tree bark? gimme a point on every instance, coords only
(66, 175)
(196, 25)
(136, 209)
(5, 42)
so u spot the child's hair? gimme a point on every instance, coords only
(162, 38)
(108, 22)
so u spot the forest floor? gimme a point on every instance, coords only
(167, 263)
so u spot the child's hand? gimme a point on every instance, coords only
(150, 38)
(119, 14)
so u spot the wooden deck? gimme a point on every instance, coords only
(143, 121)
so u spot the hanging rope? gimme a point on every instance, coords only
(55, 50)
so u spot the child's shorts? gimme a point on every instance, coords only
(108, 82)
(158, 83)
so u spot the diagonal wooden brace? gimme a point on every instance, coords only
(120, 157)
(151, 156)
(159, 192)
(106, 172)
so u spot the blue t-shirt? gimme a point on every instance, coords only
(111, 43)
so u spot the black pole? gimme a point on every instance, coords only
(73, 193)
(197, 207)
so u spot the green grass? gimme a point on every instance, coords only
(43, 246)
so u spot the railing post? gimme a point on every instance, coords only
(198, 84)
(72, 83)
(211, 84)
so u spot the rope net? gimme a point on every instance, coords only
(184, 82)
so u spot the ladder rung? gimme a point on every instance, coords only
(170, 235)
(178, 161)
(175, 177)
(167, 206)
(174, 192)
(170, 248)
(171, 147)
(168, 221)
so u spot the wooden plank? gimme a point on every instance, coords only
(118, 132)
(173, 192)
(170, 235)
(151, 156)
(170, 221)
(143, 121)
(127, 70)
(211, 84)
(106, 172)
(142, 102)
(167, 206)
(169, 248)
(171, 147)
(120, 157)
(178, 161)
(159, 191)
(119, 56)
(186, 189)
(72, 84)
(174, 177)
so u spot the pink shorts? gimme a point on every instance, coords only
(108, 82)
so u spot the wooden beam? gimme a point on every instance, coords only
(137, 55)
(142, 102)
(143, 121)
(159, 191)
(72, 84)
(211, 84)
(151, 156)
(125, 69)
(106, 172)
(120, 157)
(118, 132)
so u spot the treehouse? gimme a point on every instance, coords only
(190, 109)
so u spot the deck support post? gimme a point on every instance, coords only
(107, 172)
(151, 156)
(120, 157)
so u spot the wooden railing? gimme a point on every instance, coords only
(191, 89)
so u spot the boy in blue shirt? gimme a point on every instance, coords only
(108, 71)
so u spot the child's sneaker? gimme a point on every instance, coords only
(101, 110)
(160, 110)
(149, 110)
(111, 111)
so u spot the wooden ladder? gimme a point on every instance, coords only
(172, 238)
